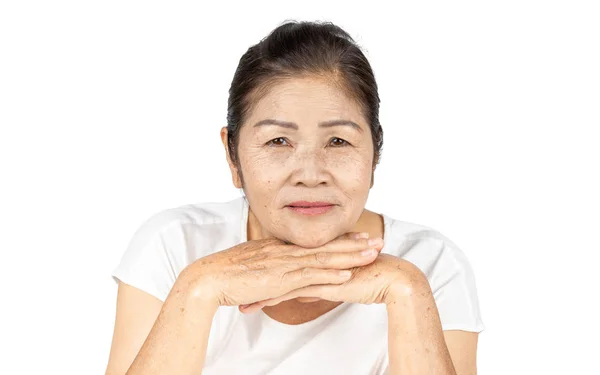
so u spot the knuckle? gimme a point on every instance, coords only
(306, 273)
(287, 261)
(284, 277)
(287, 258)
(360, 242)
(322, 257)
(299, 252)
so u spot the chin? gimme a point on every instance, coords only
(311, 240)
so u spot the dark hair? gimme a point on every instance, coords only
(296, 49)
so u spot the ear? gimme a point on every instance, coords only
(372, 177)
(235, 176)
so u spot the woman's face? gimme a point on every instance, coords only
(302, 158)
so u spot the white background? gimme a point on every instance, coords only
(110, 111)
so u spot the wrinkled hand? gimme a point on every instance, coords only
(377, 282)
(268, 268)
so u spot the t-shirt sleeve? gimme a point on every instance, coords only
(452, 281)
(154, 256)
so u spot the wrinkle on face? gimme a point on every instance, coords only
(308, 165)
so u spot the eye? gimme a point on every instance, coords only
(340, 142)
(276, 142)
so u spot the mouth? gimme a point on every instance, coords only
(310, 208)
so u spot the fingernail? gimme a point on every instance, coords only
(368, 252)
(361, 235)
(375, 241)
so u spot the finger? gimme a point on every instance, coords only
(310, 276)
(327, 292)
(345, 236)
(353, 236)
(308, 299)
(306, 294)
(337, 261)
(251, 308)
(342, 244)
(353, 239)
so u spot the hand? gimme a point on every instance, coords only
(264, 269)
(380, 281)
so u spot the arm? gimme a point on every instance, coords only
(175, 342)
(463, 350)
(135, 315)
(416, 342)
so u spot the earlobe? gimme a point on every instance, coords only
(236, 178)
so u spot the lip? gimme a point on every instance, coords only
(311, 208)
(310, 204)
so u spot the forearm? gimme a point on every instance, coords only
(178, 340)
(416, 343)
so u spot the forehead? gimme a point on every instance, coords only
(306, 100)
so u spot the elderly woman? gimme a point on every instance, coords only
(296, 276)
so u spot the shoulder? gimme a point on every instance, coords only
(210, 218)
(205, 213)
(447, 268)
(171, 239)
(426, 247)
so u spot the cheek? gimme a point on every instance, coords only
(262, 169)
(353, 167)
(350, 168)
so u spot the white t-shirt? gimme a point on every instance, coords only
(350, 339)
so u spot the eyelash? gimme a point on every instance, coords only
(271, 144)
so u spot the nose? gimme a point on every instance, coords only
(309, 168)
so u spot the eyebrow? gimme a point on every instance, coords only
(324, 124)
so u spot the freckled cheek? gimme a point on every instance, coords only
(263, 171)
(351, 168)
(268, 179)
(273, 161)
(270, 168)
